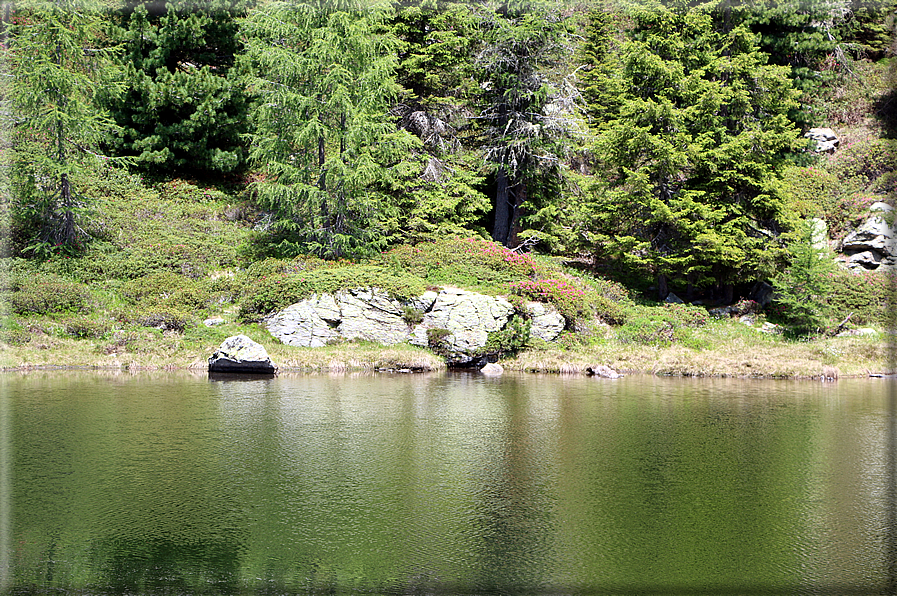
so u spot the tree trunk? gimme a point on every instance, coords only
(503, 208)
(662, 288)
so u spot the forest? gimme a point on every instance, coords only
(660, 146)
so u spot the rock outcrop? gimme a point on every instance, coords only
(873, 243)
(462, 320)
(239, 354)
(826, 139)
(546, 322)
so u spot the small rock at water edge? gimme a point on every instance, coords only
(239, 354)
(603, 372)
(492, 369)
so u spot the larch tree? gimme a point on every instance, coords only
(323, 76)
(57, 65)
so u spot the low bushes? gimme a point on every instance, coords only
(46, 295)
(271, 292)
(661, 326)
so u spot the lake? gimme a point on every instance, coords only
(451, 483)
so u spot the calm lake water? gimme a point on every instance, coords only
(444, 483)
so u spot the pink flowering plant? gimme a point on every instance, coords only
(564, 295)
(471, 262)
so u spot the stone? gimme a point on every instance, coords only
(370, 314)
(468, 317)
(603, 372)
(873, 234)
(762, 293)
(868, 259)
(492, 369)
(748, 320)
(546, 322)
(673, 299)
(239, 354)
(826, 139)
(861, 332)
(770, 328)
(302, 325)
(818, 233)
(213, 322)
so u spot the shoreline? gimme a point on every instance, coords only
(386, 360)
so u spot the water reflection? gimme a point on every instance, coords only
(441, 483)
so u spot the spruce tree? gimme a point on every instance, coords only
(185, 107)
(701, 129)
(520, 117)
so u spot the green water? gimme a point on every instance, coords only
(449, 484)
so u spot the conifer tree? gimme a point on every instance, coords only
(185, 107)
(56, 71)
(324, 79)
(701, 129)
(520, 120)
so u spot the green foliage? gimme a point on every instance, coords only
(512, 338)
(88, 327)
(701, 130)
(662, 326)
(268, 293)
(470, 262)
(866, 296)
(562, 293)
(437, 341)
(185, 107)
(164, 317)
(324, 79)
(802, 288)
(810, 191)
(523, 114)
(864, 164)
(166, 288)
(437, 43)
(51, 88)
(47, 295)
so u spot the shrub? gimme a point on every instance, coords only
(509, 340)
(661, 325)
(270, 293)
(811, 191)
(47, 296)
(565, 296)
(437, 341)
(162, 317)
(471, 262)
(88, 327)
(168, 288)
(12, 332)
(860, 164)
(866, 294)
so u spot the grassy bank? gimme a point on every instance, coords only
(168, 255)
(733, 350)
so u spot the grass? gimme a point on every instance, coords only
(733, 352)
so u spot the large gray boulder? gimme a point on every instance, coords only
(239, 354)
(370, 314)
(467, 316)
